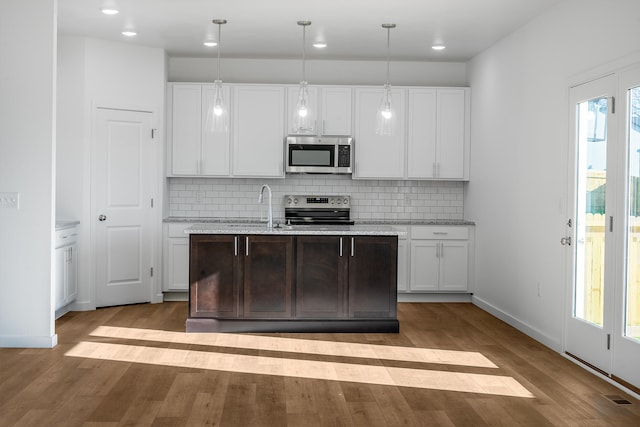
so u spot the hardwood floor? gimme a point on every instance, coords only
(450, 365)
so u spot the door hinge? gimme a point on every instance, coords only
(151, 271)
(608, 341)
(613, 105)
(152, 202)
(153, 133)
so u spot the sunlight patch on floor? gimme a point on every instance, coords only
(331, 371)
(294, 345)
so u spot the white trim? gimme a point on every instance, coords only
(29, 341)
(601, 376)
(536, 334)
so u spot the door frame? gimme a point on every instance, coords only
(157, 169)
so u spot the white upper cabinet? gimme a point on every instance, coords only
(378, 156)
(195, 149)
(330, 111)
(258, 130)
(438, 134)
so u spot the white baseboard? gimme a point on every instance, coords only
(29, 342)
(534, 333)
(434, 297)
(176, 296)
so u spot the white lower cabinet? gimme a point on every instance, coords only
(439, 259)
(403, 259)
(66, 267)
(175, 275)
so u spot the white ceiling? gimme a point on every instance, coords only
(268, 28)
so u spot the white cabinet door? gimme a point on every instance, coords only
(186, 128)
(438, 134)
(175, 275)
(425, 265)
(177, 264)
(336, 111)
(60, 264)
(452, 133)
(71, 280)
(421, 138)
(403, 265)
(258, 137)
(378, 156)
(454, 258)
(215, 146)
(292, 101)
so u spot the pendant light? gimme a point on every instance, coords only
(303, 114)
(386, 117)
(218, 112)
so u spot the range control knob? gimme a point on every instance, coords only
(346, 201)
(339, 201)
(333, 201)
(295, 201)
(289, 201)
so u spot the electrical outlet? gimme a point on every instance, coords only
(10, 200)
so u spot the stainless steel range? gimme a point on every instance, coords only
(328, 210)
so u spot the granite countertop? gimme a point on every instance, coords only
(261, 228)
(213, 220)
(62, 224)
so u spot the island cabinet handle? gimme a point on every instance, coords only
(352, 246)
(340, 246)
(235, 245)
(246, 245)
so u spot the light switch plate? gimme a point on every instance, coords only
(10, 200)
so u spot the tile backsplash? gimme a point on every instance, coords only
(370, 199)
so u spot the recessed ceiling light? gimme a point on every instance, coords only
(320, 45)
(210, 43)
(438, 47)
(109, 11)
(129, 33)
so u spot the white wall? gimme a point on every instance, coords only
(27, 158)
(234, 70)
(96, 73)
(519, 133)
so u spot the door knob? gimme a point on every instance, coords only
(102, 218)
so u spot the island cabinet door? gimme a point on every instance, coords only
(321, 271)
(215, 275)
(373, 277)
(268, 276)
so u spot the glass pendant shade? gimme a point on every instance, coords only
(218, 110)
(386, 117)
(303, 114)
(218, 113)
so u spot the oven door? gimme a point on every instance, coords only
(311, 158)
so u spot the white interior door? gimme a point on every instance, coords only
(627, 293)
(590, 324)
(121, 206)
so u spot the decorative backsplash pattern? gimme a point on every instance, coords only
(370, 199)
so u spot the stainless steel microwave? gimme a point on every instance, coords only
(319, 154)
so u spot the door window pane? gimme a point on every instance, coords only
(590, 215)
(632, 292)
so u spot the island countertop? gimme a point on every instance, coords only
(313, 230)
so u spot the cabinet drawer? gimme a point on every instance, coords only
(177, 229)
(65, 237)
(439, 232)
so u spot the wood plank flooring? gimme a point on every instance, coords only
(450, 365)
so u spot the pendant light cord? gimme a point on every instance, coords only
(304, 38)
(388, 49)
(219, 48)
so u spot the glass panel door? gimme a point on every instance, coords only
(588, 326)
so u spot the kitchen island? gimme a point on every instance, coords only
(303, 278)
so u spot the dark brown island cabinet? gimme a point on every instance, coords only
(292, 283)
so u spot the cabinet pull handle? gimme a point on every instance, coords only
(235, 245)
(246, 245)
(441, 232)
(433, 170)
(70, 254)
(441, 250)
(323, 126)
(340, 247)
(353, 250)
